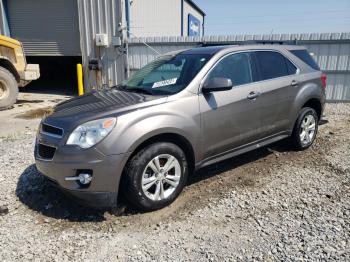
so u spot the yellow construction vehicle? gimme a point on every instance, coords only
(14, 71)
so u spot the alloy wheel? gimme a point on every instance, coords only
(161, 177)
(307, 130)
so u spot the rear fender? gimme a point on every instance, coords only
(310, 90)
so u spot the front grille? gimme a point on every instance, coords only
(52, 130)
(46, 152)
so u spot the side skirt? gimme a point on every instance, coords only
(242, 149)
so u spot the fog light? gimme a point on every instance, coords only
(84, 178)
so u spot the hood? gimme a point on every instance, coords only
(98, 104)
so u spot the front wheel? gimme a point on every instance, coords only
(155, 176)
(8, 89)
(305, 128)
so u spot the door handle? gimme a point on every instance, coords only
(252, 95)
(294, 83)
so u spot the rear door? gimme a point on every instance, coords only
(230, 119)
(278, 86)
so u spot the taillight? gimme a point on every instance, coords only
(324, 80)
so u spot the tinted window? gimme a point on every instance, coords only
(291, 68)
(306, 58)
(235, 67)
(272, 65)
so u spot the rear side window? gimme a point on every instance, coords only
(291, 68)
(273, 65)
(306, 58)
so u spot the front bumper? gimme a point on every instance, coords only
(32, 72)
(68, 161)
(96, 200)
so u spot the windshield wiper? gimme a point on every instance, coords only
(119, 87)
(138, 90)
(133, 89)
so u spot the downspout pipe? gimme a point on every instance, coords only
(4, 11)
(127, 16)
(203, 25)
(182, 17)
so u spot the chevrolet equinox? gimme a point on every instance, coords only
(183, 111)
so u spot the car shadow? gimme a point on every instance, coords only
(38, 194)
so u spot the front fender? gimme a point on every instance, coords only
(136, 127)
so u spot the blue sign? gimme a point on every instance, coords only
(194, 26)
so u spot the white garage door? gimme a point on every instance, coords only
(45, 27)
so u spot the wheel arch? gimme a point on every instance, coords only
(310, 94)
(5, 63)
(315, 104)
(171, 137)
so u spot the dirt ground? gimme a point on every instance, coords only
(27, 112)
(272, 204)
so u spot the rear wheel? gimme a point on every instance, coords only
(8, 89)
(305, 128)
(155, 176)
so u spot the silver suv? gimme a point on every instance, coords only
(181, 112)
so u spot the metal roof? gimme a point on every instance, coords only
(195, 6)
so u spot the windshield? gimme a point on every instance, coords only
(166, 75)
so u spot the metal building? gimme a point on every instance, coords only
(60, 33)
(57, 34)
(164, 18)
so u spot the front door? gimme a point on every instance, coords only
(230, 119)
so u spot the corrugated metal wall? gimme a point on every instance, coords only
(45, 28)
(334, 59)
(101, 17)
(331, 51)
(95, 17)
(140, 55)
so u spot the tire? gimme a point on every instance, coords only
(307, 122)
(139, 176)
(8, 89)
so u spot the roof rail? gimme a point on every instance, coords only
(254, 42)
(269, 42)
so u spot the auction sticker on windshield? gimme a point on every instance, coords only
(164, 83)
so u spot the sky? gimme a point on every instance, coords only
(225, 17)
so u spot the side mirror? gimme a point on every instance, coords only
(217, 84)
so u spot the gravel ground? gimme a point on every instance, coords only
(272, 204)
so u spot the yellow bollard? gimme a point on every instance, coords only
(80, 79)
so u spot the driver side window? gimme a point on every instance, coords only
(236, 67)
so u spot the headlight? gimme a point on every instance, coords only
(90, 133)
